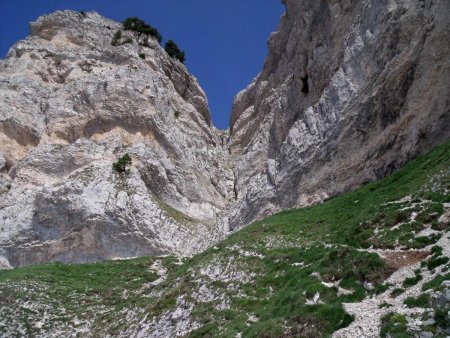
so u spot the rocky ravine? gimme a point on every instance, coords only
(349, 92)
(71, 104)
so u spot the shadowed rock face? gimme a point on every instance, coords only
(349, 92)
(71, 104)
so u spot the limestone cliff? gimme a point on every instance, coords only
(350, 91)
(71, 103)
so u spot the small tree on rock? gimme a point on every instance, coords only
(122, 163)
(173, 51)
(138, 25)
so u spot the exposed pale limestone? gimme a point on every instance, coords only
(4, 264)
(350, 91)
(172, 323)
(71, 104)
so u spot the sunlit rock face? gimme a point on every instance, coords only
(350, 91)
(71, 104)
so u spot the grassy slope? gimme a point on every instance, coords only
(258, 281)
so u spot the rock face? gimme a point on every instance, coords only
(350, 91)
(72, 103)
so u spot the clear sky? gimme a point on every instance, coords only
(225, 40)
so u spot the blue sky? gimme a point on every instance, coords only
(225, 41)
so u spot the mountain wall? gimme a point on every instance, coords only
(349, 92)
(71, 103)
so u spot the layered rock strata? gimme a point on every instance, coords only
(350, 91)
(72, 102)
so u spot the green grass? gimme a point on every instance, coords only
(394, 325)
(441, 317)
(437, 250)
(422, 301)
(380, 288)
(397, 291)
(288, 257)
(435, 262)
(94, 277)
(412, 281)
(436, 283)
(76, 289)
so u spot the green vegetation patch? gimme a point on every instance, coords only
(422, 301)
(140, 26)
(172, 49)
(436, 283)
(394, 325)
(396, 292)
(122, 163)
(412, 281)
(76, 291)
(434, 262)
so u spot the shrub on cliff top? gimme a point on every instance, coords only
(138, 25)
(173, 51)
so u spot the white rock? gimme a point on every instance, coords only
(4, 264)
(316, 297)
(297, 146)
(70, 105)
